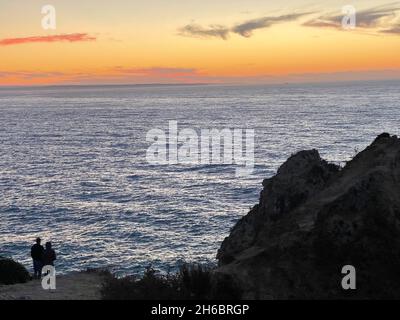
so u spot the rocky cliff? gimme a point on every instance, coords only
(312, 219)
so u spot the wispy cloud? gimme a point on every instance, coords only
(369, 18)
(374, 17)
(121, 75)
(116, 74)
(212, 31)
(28, 75)
(156, 71)
(244, 29)
(392, 30)
(73, 37)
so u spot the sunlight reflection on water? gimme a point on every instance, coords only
(73, 165)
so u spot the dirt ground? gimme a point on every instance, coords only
(74, 286)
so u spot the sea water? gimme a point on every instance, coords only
(73, 166)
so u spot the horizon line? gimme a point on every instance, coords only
(42, 86)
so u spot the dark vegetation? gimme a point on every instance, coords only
(191, 282)
(12, 272)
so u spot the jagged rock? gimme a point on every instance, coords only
(312, 219)
(301, 176)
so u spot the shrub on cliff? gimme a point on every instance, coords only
(12, 272)
(190, 282)
(149, 286)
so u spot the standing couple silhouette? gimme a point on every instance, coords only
(42, 257)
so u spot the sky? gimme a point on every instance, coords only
(191, 41)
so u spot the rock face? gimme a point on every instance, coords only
(312, 219)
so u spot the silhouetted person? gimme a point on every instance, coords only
(37, 254)
(49, 255)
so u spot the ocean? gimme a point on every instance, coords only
(73, 167)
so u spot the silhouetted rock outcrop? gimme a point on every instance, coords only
(312, 219)
(12, 272)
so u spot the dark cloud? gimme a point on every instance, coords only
(373, 17)
(392, 30)
(369, 18)
(325, 22)
(213, 31)
(246, 28)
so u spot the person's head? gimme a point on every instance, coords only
(48, 245)
(38, 240)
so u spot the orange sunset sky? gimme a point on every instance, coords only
(188, 41)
